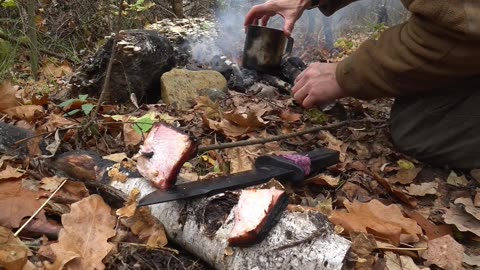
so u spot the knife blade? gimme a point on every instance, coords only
(266, 168)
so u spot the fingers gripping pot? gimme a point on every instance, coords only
(264, 49)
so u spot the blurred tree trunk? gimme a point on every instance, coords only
(309, 38)
(327, 30)
(177, 6)
(31, 30)
(382, 13)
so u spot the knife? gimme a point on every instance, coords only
(265, 168)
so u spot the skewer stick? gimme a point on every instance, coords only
(41, 207)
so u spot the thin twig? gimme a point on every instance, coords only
(274, 138)
(108, 73)
(48, 133)
(41, 207)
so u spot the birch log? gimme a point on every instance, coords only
(202, 226)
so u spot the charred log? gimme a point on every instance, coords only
(142, 56)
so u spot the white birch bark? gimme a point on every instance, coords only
(298, 241)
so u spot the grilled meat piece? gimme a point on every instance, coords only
(257, 211)
(163, 153)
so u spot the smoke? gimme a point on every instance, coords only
(313, 26)
(226, 39)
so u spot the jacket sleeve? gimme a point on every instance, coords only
(331, 6)
(432, 51)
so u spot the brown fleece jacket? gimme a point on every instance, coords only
(437, 49)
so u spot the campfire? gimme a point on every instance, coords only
(163, 46)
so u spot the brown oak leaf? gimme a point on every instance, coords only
(378, 219)
(26, 112)
(83, 241)
(11, 173)
(13, 252)
(17, 203)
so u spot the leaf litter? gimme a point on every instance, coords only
(369, 193)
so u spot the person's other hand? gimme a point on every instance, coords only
(290, 10)
(317, 85)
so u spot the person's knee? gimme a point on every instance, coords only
(437, 132)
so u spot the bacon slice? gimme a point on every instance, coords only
(163, 153)
(257, 211)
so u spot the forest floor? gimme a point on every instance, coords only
(399, 213)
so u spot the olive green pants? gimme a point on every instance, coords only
(442, 130)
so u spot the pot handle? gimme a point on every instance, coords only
(288, 49)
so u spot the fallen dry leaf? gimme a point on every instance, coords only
(471, 260)
(50, 183)
(72, 191)
(457, 181)
(25, 112)
(431, 230)
(7, 96)
(355, 192)
(422, 189)
(363, 246)
(335, 144)
(11, 173)
(158, 237)
(50, 70)
(289, 116)
(398, 262)
(17, 203)
(130, 205)
(405, 176)
(209, 109)
(444, 252)
(117, 157)
(54, 122)
(83, 241)
(324, 180)
(4, 158)
(130, 136)
(362, 151)
(246, 119)
(147, 228)
(462, 220)
(469, 207)
(241, 158)
(411, 201)
(228, 128)
(475, 173)
(378, 219)
(13, 252)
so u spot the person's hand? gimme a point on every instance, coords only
(290, 10)
(317, 85)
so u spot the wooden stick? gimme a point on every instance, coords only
(274, 138)
(41, 207)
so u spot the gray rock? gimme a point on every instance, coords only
(180, 87)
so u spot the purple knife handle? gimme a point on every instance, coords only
(319, 160)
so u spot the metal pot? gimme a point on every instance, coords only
(264, 49)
